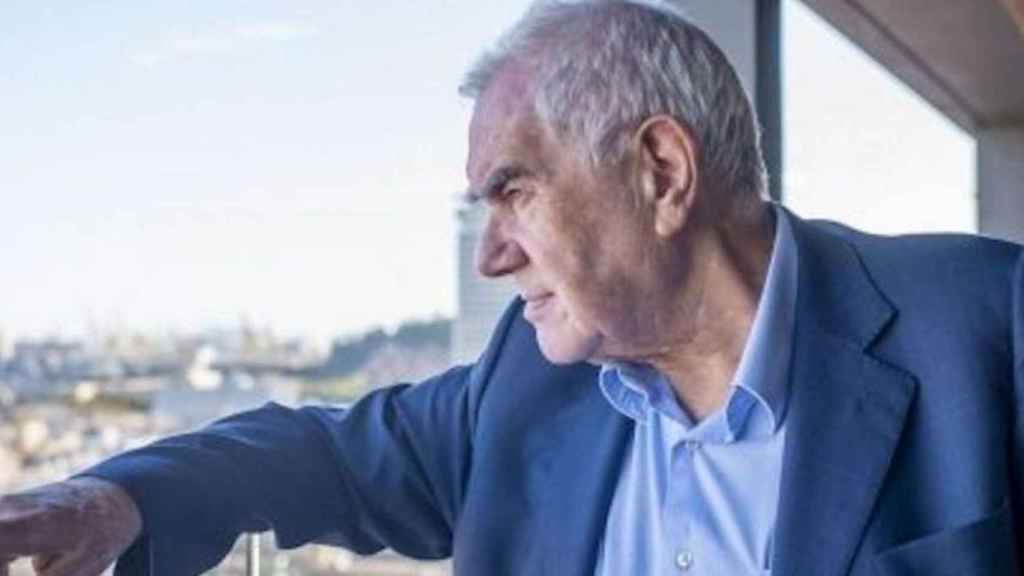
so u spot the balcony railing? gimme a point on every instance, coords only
(254, 555)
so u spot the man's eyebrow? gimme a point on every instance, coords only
(494, 184)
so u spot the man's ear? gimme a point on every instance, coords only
(666, 154)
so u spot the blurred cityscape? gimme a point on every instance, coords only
(66, 404)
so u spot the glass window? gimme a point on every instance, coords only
(862, 148)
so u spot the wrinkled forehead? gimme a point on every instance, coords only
(511, 90)
(504, 108)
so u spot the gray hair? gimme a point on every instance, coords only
(603, 67)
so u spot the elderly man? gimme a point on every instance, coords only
(703, 383)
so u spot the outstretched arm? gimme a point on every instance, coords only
(387, 472)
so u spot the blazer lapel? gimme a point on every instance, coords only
(574, 479)
(846, 414)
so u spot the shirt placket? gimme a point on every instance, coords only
(680, 499)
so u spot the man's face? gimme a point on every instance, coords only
(572, 240)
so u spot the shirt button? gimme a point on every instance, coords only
(684, 560)
(691, 445)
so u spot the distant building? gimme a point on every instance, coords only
(480, 300)
(47, 366)
(6, 346)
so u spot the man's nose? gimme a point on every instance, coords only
(497, 254)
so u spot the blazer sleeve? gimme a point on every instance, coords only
(388, 472)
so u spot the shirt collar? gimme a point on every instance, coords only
(764, 365)
(636, 389)
(761, 378)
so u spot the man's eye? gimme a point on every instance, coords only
(507, 195)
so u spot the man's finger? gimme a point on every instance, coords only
(78, 563)
(25, 530)
(73, 528)
(17, 539)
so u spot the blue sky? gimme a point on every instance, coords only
(174, 166)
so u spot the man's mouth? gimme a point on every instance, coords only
(536, 304)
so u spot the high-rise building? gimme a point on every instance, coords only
(480, 300)
(6, 346)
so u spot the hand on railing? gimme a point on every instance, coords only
(73, 528)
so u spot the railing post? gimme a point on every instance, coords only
(252, 554)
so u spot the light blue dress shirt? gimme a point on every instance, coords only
(702, 499)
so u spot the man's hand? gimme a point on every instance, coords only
(73, 528)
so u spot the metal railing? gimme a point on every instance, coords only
(252, 554)
(340, 561)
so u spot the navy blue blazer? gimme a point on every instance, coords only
(904, 454)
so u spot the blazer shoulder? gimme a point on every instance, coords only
(954, 288)
(916, 245)
(949, 263)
